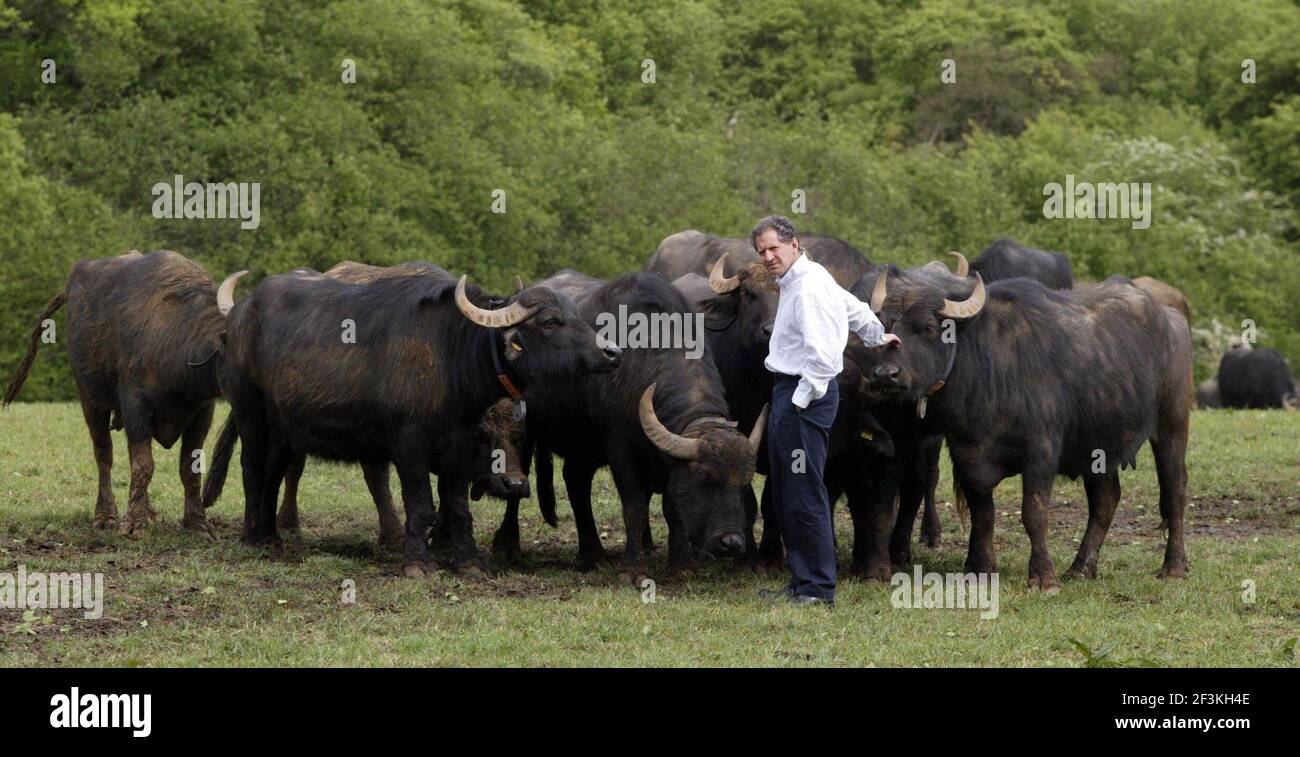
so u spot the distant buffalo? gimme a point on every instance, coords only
(146, 343)
(691, 251)
(1007, 259)
(1257, 378)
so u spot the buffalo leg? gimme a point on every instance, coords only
(636, 504)
(417, 499)
(1033, 514)
(192, 438)
(931, 529)
(391, 535)
(287, 519)
(1170, 450)
(577, 479)
(505, 542)
(455, 502)
(679, 544)
(1103, 495)
(771, 550)
(139, 441)
(911, 489)
(979, 555)
(750, 503)
(871, 505)
(97, 419)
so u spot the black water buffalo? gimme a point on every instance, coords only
(146, 344)
(1007, 259)
(1257, 378)
(498, 439)
(659, 422)
(426, 362)
(1040, 382)
(691, 251)
(739, 312)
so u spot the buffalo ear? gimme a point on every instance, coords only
(476, 491)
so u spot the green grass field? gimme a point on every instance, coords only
(175, 599)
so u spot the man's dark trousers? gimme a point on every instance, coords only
(796, 443)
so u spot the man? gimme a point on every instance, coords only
(805, 354)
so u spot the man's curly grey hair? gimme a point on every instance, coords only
(780, 224)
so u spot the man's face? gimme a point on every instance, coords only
(777, 256)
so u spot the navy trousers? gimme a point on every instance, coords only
(796, 444)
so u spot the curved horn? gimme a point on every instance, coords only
(878, 293)
(672, 444)
(756, 433)
(510, 315)
(967, 308)
(519, 285)
(963, 268)
(721, 284)
(226, 292)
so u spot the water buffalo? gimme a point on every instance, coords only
(1007, 259)
(1041, 382)
(1257, 378)
(425, 363)
(498, 469)
(659, 423)
(1165, 294)
(146, 345)
(691, 251)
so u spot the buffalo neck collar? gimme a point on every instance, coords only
(495, 346)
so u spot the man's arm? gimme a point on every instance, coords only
(863, 322)
(821, 323)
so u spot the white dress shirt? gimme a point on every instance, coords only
(813, 319)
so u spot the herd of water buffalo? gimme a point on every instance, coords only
(1022, 371)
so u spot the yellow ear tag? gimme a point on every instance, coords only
(516, 347)
(866, 435)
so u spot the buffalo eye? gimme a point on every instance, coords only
(550, 324)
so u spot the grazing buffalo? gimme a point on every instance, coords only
(1257, 378)
(659, 423)
(498, 439)
(691, 251)
(425, 364)
(1165, 294)
(1006, 259)
(1039, 383)
(146, 345)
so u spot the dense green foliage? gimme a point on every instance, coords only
(751, 100)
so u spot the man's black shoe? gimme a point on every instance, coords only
(774, 595)
(804, 600)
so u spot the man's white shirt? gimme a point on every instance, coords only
(813, 318)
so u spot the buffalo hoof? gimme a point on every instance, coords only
(1175, 570)
(589, 562)
(872, 573)
(199, 523)
(932, 541)
(287, 522)
(636, 577)
(1080, 572)
(135, 524)
(1046, 584)
(418, 570)
(105, 522)
(471, 570)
